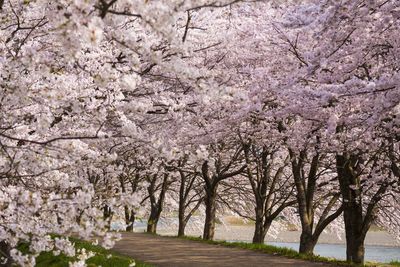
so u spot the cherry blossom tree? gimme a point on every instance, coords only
(346, 53)
(108, 104)
(189, 193)
(70, 72)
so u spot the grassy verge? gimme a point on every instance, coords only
(287, 252)
(103, 257)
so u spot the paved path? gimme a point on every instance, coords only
(174, 252)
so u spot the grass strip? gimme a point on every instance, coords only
(287, 252)
(103, 257)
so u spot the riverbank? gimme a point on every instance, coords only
(380, 246)
(245, 233)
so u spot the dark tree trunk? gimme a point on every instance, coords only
(107, 215)
(182, 205)
(264, 184)
(305, 197)
(184, 219)
(261, 229)
(181, 214)
(353, 220)
(153, 221)
(156, 206)
(260, 191)
(5, 253)
(185, 210)
(306, 188)
(79, 217)
(129, 212)
(258, 236)
(355, 250)
(357, 218)
(210, 199)
(181, 227)
(352, 203)
(307, 242)
(210, 203)
(129, 219)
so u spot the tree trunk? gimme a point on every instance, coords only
(258, 237)
(181, 228)
(129, 213)
(352, 203)
(305, 187)
(353, 222)
(209, 224)
(307, 242)
(129, 219)
(262, 225)
(6, 260)
(355, 250)
(152, 228)
(156, 205)
(181, 217)
(152, 222)
(211, 185)
(107, 215)
(261, 229)
(181, 208)
(354, 237)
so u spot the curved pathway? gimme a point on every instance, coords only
(173, 252)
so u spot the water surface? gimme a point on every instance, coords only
(338, 251)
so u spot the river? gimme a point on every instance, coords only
(338, 251)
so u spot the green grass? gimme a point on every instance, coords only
(103, 257)
(395, 263)
(287, 252)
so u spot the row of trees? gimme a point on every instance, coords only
(265, 181)
(128, 108)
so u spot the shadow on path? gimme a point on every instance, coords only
(174, 252)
